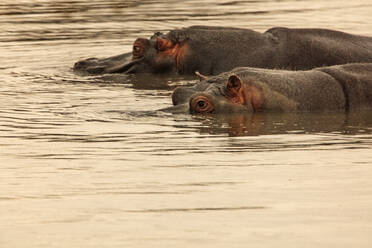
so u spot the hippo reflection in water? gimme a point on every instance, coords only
(240, 124)
(337, 88)
(212, 50)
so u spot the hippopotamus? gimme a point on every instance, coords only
(212, 50)
(345, 88)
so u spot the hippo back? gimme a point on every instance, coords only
(212, 50)
(356, 81)
(310, 48)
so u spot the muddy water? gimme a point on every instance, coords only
(87, 161)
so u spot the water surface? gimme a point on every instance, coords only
(87, 161)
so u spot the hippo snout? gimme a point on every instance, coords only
(80, 64)
(201, 103)
(91, 66)
(122, 63)
(182, 95)
(83, 64)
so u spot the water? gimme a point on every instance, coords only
(87, 161)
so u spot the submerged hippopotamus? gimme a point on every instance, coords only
(212, 50)
(336, 88)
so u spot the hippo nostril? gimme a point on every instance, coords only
(79, 64)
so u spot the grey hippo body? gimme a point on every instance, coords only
(212, 50)
(245, 90)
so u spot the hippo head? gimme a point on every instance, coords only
(232, 92)
(221, 94)
(155, 55)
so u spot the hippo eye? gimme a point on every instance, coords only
(202, 104)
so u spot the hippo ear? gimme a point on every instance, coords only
(163, 44)
(200, 76)
(234, 83)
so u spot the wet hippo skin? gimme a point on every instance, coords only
(337, 88)
(212, 50)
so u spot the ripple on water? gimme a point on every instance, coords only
(88, 161)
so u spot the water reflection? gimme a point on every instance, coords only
(174, 210)
(287, 123)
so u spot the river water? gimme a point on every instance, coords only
(87, 161)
